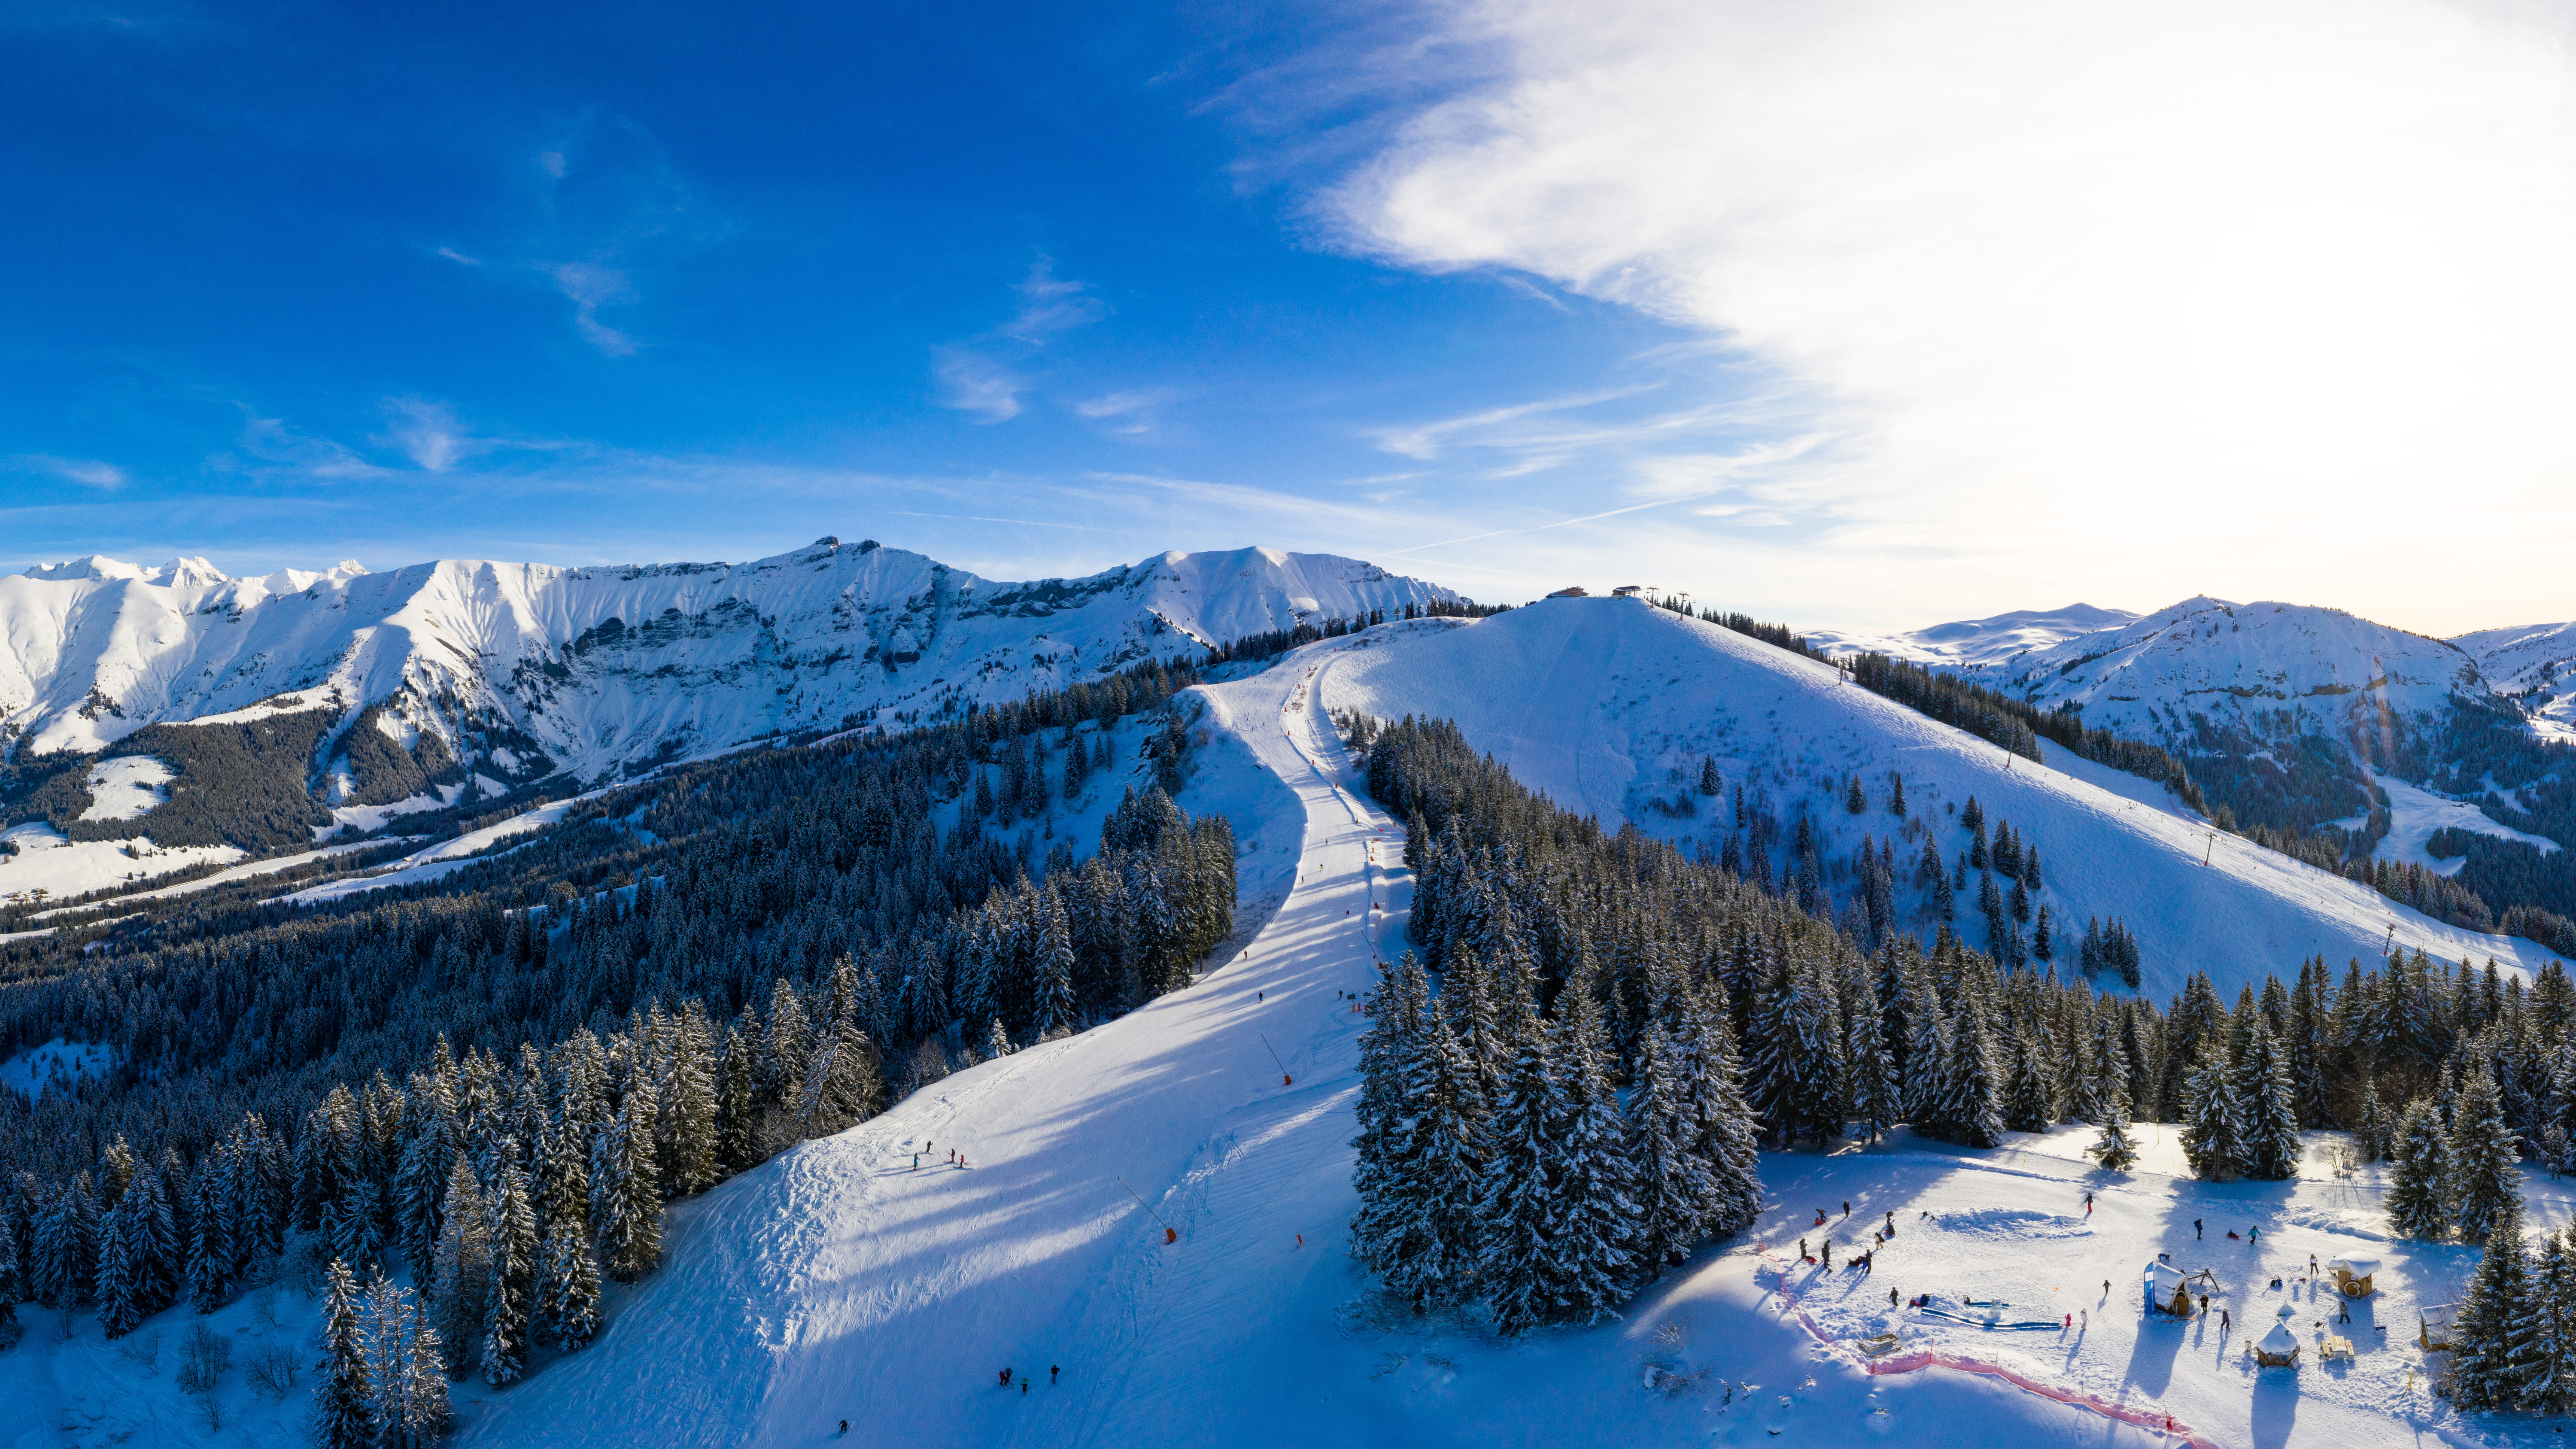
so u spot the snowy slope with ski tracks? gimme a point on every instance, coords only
(1608, 705)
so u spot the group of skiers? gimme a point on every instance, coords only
(1866, 1262)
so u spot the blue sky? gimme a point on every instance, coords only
(1503, 296)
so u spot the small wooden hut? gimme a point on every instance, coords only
(2352, 1274)
(2433, 1328)
(2168, 1291)
(2277, 1349)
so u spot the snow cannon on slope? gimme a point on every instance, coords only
(2352, 1274)
(2277, 1349)
(2168, 1291)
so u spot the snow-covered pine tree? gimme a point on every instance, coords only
(344, 1401)
(2419, 1180)
(1896, 796)
(122, 1266)
(1723, 1124)
(461, 1265)
(2494, 1322)
(2269, 1106)
(423, 1412)
(352, 1223)
(210, 1235)
(563, 1180)
(2485, 1176)
(846, 1086)
(1676, 1193)
(786, 1049)
(1519, 1202)
(2213, 1135)
(1596, 1180)
(1929, 1046)
(67, 1244)
(568, 1289)
(2376, 1132)
(686, 1124)
(2114, 1148)
(1431, 1243)
(1971, 1092)
(1055, 1008)
(513, 1239)
(997, 1042)
(737, 1118)
(420, 1183)
(625, 1208)
(2548, 1376)
(2027, 1105)
(1874, 1095)
(1392, 1074)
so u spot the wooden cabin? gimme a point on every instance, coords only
(1575, 592)
(2433, 1328)
(2352, 1274)
(2277, 1349)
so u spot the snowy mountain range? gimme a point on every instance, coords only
(521, 670)
(1968, 642)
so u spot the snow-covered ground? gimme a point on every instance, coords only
(2413, 816)
(444, 858)
(250, 870)
(123, 789)
(56, 1062)
(1608, 706)
(60, 867)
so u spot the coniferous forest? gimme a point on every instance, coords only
(1595, 1032)
(497, 1080)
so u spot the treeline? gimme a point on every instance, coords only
(729, 873)
(510, 1184)
(2017, 726)
(1274, 642)
(243, 785)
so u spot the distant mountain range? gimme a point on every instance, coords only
(499, 674)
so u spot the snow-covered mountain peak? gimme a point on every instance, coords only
(179, 573)
(2270, 669)
(1964, 642)
(2534, 663)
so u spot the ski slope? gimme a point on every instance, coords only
(1608, 706)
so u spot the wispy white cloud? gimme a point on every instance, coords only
(1131, 412)
(272, 445)
(591, 287)
(428, 433)
(974, 384)
(87, 472)
(460, 258)
(2087, 289)
(980, 376)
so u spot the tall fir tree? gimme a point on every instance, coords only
(2493, 1326)
(511, 1298)
(2419, 1180)
(2270, 1108)
(625, 1210)
(2114, 1148)
(1597, 1181)
(344, 1401)
(1433, 1241)
(567, 1307)
(2213, 1137)
(1523, 1261)
(2027, 1106)
(2486, 1179)
(461, 1265)
(1676, 1192)
(2548, 1378)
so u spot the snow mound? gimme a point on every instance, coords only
(2009, 1223)
(1990, 640)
